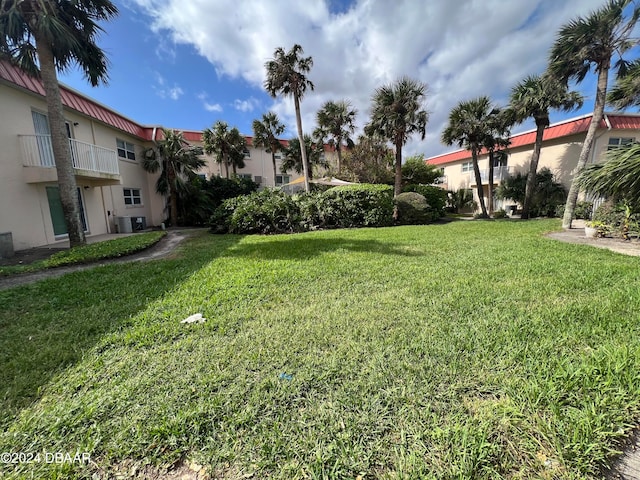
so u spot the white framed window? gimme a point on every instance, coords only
(132, 196)
(126, 149)
(247, 153)
(282, 179)
(619, 141)
(467, 167)
(245, 175)
(278, 156)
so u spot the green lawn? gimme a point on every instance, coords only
(464, 350)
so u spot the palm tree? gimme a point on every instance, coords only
(292, 159)
(499, 123)
(589, 42)
(469, 125)
(286, 76)
(227, 144)
(177, 162)
(40, 36)
(335, 121)
(626, 92)
(397, 113)
(265, 135)
(533, 97)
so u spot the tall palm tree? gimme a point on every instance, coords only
(40, 37)
(469, 125)
(585, 43)
(335, 122)
(293, 159)
(265, 135)
(534, 97)
(227, 144)
(177, 161)
(397, 113)
(499, 123)
(286, 76)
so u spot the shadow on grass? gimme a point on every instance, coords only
(48, 326)
(300, 247)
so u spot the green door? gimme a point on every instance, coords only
(55, 208)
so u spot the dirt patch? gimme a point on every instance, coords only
(132, 470)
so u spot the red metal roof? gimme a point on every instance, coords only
(558, 130)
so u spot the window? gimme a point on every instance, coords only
(500, 159)
(126, 150)
(202, 176)
(467, 167)
(247, 153)
(278, 156)
(245, 175)
(282, 179)
(617, 142)
(132, 196)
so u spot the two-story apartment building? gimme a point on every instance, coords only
(561, 147)
(106, 146)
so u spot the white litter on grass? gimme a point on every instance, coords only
(195, 318)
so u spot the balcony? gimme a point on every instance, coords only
(499, 174)
(97, 165)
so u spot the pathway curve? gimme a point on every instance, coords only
(161, 249)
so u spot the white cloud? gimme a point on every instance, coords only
(164, 91)
(248, 105)
(461, 49)
(212, 107)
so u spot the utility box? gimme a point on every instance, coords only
(6, 245)
(138, 223)
(124, 224)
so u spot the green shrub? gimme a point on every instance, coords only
(361, 205)
(620, 219)
(413, 209)
(500, 213)
(436, 197)
(461, 199)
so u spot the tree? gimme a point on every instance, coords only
(617, 177)
(585, 43)
(495, 142)
(397, 113)
(228, 145)
(534, 97)
(286, 76)
(547, 193)
(369, 161)
(469, 125)
(265, 135)
(177, 161)
(335, 122)
(626, 91)
(416, 171)
(42, 37)
(293, 159)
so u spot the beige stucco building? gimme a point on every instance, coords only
(561, 147)
(113, 188)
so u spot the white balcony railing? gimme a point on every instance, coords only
(38, 152)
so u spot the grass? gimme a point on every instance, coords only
(90, 253)
(465, 350)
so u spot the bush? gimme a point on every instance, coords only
(361, 205)
(500, 213)
(272, 211)
(620, 219)
(461, 199)
(547, 196)
(436, 198)
(413, 209)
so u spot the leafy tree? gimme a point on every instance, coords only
(397, 113)
(265, 134)
(617, 177)
(293, 160)
(547, 193)
(534, 97)
(469, 125)
(369, 161)
(416, 171)
(42, 37)
(286, 76)
(591, 42)
(335, 122)
(177, 161)
(228, 145)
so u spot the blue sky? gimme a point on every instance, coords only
(187, 64)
